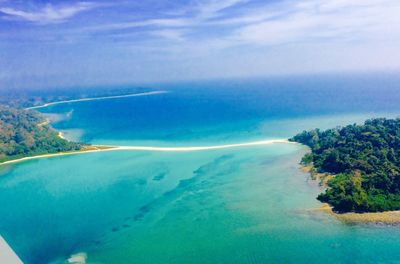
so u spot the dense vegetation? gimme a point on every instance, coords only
(26, 133)
(366, 161)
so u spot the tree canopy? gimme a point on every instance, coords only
(366, 161)
(26, 133)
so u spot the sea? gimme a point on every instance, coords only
(250, 204)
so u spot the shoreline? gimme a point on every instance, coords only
(96, 98)
(322, 178)
(89, 149)
(385, 218)
(102, 148)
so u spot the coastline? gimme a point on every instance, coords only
(322, 178)
(88, 149)
(96, 98)
(386, 218)
(101, 148)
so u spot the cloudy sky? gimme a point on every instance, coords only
(66, 43)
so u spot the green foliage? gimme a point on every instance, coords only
(26, 133)
(307, 159)
(366, 161)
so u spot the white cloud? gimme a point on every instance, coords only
(174, 35)
(272, 23)
(170, 22)
(208, 38)
(202, 13)
(214, 7)
(49, 13)
(336, 20)
(217, 25)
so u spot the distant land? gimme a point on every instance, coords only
(96, 98)
(37, 98)
(362, 162)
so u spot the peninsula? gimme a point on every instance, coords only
(26, 133)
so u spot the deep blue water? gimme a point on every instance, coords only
(193, 110)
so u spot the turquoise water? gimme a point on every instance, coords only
(242, 205)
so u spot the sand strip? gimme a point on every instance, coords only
(385, 218)
(201, 148)
(97, 98)
(91, 149)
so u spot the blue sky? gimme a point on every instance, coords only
(67, 43)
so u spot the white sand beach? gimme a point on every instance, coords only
(201, 148)
(103, 148)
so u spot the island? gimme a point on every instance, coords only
(362, 162)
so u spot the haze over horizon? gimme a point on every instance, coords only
(64, 43)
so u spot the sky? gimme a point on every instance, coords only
(104, 42)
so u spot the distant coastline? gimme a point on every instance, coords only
(96, 98)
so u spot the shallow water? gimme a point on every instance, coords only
(242, 205)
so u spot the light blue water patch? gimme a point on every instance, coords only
(248, 208)
(65, 204)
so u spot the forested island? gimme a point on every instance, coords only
(26, 133)
(365, 160)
